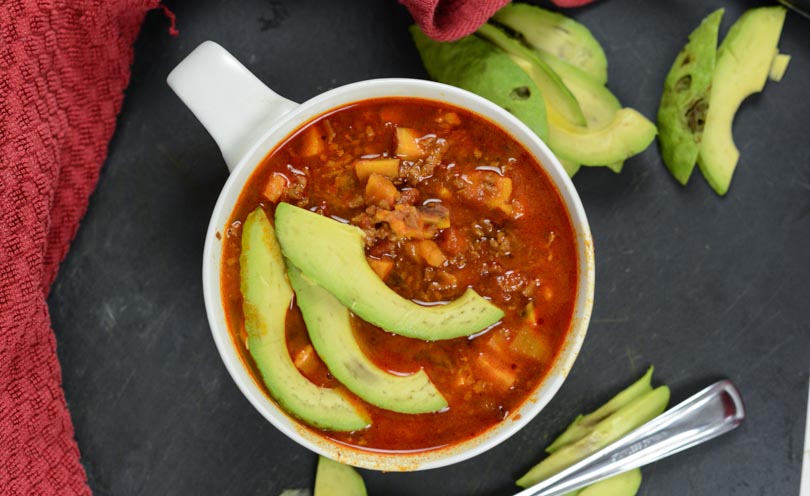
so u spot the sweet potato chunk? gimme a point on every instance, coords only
(313, 142)
(380, 191)
(430, 252)
(487, 188)
(275, 187)
(388, 167)
(382, 266)
(408, 144)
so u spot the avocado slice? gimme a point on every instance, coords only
(685, 100)
(554, 91)
(627, 134)
(624, 484)
(336, 479)
(475, 65)
(624, 420)
(778, 67)
(266, 298)
(330, 330)
(558, 35)
(597, 102)
(331, 254)
(743, 62)
(584, 424)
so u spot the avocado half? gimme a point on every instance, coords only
(331, 254)
(266, 298)
(330, 330)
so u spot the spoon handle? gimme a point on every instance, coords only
(706, 415)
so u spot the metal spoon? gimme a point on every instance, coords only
(706, 415)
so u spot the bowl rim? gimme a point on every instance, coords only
(275, 135)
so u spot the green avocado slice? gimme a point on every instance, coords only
(743, 62)
(556, 34)
(266, 298)
(627, 418)
(624, 484)
(597, 102)
(555, 93)
(330, 330)
(584, 424)
(627, 134)
(475, 65)
(336, 479)
(331, 254)
(685, 100)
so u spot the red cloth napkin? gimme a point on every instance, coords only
(448, 20)
(64, 65)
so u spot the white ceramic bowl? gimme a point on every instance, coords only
(248, 120)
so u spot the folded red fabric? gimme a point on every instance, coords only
(448, 20)
(63, 69)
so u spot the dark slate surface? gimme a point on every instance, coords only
(701, 286)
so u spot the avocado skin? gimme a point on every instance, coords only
(477, 66)
(330, 330)
(685, 99)
(332, 255)
(336, 479)
(266, 296)
(743, 62)
(556, 34)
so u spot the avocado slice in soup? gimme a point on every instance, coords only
(266, 298)
(330, 330)
(332, 255)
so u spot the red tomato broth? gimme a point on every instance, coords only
(514, 252)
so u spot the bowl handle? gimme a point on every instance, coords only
(233, 105)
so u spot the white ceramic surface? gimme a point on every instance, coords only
(247, 120)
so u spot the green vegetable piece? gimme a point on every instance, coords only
(570, 167)
(624, 484)
(330, 330)
(554, 91)
(336, 479)
(558, 35)
(596, 101)
(475, 65)
(626, 419)
(584, 424)
(743, 62)
(332, 255)
(778, 67)
(627, 134)
(266, 297)
(685, 100)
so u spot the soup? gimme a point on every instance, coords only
(447, 201)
